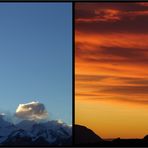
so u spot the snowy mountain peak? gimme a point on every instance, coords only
(3, 122)
(31, 132)
(26, 124)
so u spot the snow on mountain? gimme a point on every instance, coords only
(19, 133)
(3, 123)
(51, 132)
(26, 124)
(5, 128)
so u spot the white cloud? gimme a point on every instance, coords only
(31, 111)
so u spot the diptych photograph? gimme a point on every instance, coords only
(74, 73)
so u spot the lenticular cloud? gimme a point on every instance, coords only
(31, 111)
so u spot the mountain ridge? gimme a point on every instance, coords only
(35, 133)
(82, 133)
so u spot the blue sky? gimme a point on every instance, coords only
(36, 57)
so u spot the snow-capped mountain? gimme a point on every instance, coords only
(51, 131)
(5, 129)
(26, 124)
(32, 133)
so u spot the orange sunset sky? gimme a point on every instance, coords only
(111, 69)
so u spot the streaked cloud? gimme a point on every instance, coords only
(112, 51)
(121, 17)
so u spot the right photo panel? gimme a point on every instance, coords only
(111, 74)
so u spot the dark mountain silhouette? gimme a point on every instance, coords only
(83, 135)
(86, 137)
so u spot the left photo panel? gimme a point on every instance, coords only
(36, 74)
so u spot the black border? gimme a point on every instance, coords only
(73, 72)
(72, 2)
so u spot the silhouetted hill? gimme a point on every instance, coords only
(86, 137)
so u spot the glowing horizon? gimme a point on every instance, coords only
(111, 68)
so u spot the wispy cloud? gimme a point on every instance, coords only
(112, 51)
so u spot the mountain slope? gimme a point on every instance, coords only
(25, 124)
(5, 129)
(33, 133)
(84, 135)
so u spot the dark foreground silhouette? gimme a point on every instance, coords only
(86, 137)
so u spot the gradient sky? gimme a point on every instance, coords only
(111, 68)
(36, 57)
